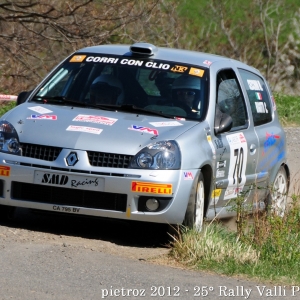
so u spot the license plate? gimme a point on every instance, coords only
(69, 181)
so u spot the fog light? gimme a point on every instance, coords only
(152, 204)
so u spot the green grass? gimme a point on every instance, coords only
(4, 107)
(268, 247)
(288, 108)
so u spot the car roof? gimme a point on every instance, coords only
(168, 54)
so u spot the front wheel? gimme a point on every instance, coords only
(195, 211)
(278, 194)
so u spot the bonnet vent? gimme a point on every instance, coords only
(143, 49)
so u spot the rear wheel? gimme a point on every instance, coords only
(278, 194)
(195, 211)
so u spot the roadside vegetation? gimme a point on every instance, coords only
(264, 245)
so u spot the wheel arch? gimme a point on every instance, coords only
(208, 185)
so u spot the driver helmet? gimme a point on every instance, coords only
(106, 89)
(186, 89)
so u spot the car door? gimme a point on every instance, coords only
(269, 133)
(237, 149)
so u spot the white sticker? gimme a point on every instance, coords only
(95, 119)
(40, 109)
(84, 129)
(237, 165)
(254, 85)
(165, 124)
(220, 173)
(261, 107)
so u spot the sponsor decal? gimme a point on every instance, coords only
(179, 69)
(188, 176)
(59, 179)
(216, 193)
(165, 124)
(208, 136)
(207, 62)
(254, 85)
(103, 59)
(261, 107)
(78, 58)
(232, 192)
(258, 95)
(84, 129)
(196, 72)
(144, 129)
(42, 117)
(219, 143)
(153, 188)
(95, 119)
(220, 173)
(4, 171)
(40, 109)
(270, 141)
(221, 164)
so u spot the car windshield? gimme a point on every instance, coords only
(164, 88)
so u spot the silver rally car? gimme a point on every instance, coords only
(144, 133)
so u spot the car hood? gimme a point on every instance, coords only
(92, 129)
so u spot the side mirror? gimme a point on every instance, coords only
(223, 122)
(22, 97)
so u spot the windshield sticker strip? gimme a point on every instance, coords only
(95, 119)
(84, 129)
(42, 117)
(40, 109)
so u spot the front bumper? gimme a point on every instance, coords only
(94, 191)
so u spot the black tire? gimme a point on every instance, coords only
(194, 215)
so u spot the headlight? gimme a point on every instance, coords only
(163, 155)
(9, 140)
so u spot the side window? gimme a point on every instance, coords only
(230, 98)
(258, 96)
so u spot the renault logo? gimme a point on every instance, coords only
(72, 159)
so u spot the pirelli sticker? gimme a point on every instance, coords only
(78, 58)
(4, 171)
(153, 188)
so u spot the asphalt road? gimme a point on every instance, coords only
(47, 257)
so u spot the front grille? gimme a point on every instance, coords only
(71, 197)
(110, 160)
(96, 159)
(40, 152)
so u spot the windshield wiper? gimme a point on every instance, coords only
(59, 100)
(133, 108)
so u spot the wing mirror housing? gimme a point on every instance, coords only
(223, 122)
